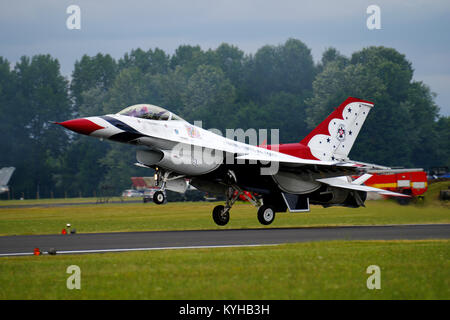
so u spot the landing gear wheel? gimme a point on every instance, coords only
(266, 215)
(159, 197)
(220, 216)
(404, 201)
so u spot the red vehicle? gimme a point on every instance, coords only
(412, 182)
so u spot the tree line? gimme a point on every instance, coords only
(278, 87)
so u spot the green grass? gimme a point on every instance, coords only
(318, 270)
(432, 194)
(30, 202)
(197, 215)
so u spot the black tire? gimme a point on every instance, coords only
(404, 201)
(266, 215)
(159, 197)
(220, 217)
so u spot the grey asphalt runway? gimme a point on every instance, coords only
(158, 240)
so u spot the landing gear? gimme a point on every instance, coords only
(159, 197)
(220, 215)
(266, 214)
(161, 178)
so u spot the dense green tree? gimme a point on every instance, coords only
(231, 60)
(422, 125)
(130, 87)
(288, 67)
(189, 58)
(41, 97)
(282, 111)
(151, 61)
(442, 128)
(278, 87)
(10, 132)
(78, 169)
(96, 72)
(168, 89)
(209, 96)
(118, 163)
(404, 113)
(332, 55)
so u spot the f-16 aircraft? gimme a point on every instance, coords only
(5, 175)
(278, 177)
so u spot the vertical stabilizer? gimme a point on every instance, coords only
(334, 137)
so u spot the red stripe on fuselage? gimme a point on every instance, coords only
(293, 149)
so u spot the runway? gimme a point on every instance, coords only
(160, 240)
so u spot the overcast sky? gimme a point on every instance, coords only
(420, 29)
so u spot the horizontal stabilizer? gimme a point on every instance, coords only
(341, 182)
(362, 179)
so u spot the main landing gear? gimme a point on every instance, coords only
(266, 215)
(221, 214)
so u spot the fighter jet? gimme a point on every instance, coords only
(5, 175)
(275, 178)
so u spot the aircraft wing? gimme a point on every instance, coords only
(284, 159)
(316, 168)
(335, 172)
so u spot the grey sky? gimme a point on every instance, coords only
(417, 28)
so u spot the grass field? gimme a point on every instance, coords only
(197, 215)
(4, 203)
(318, 270)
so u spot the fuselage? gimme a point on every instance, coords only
(183, 147)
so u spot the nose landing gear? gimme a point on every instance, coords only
(161, 178)
(159, 197)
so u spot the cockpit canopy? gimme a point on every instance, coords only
(148, 111)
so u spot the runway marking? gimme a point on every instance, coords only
(139, 249)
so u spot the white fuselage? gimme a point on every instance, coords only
(185, 148)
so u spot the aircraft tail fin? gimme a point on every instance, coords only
(5, 175)
(334, 137)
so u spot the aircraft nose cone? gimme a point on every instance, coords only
(83, 126)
